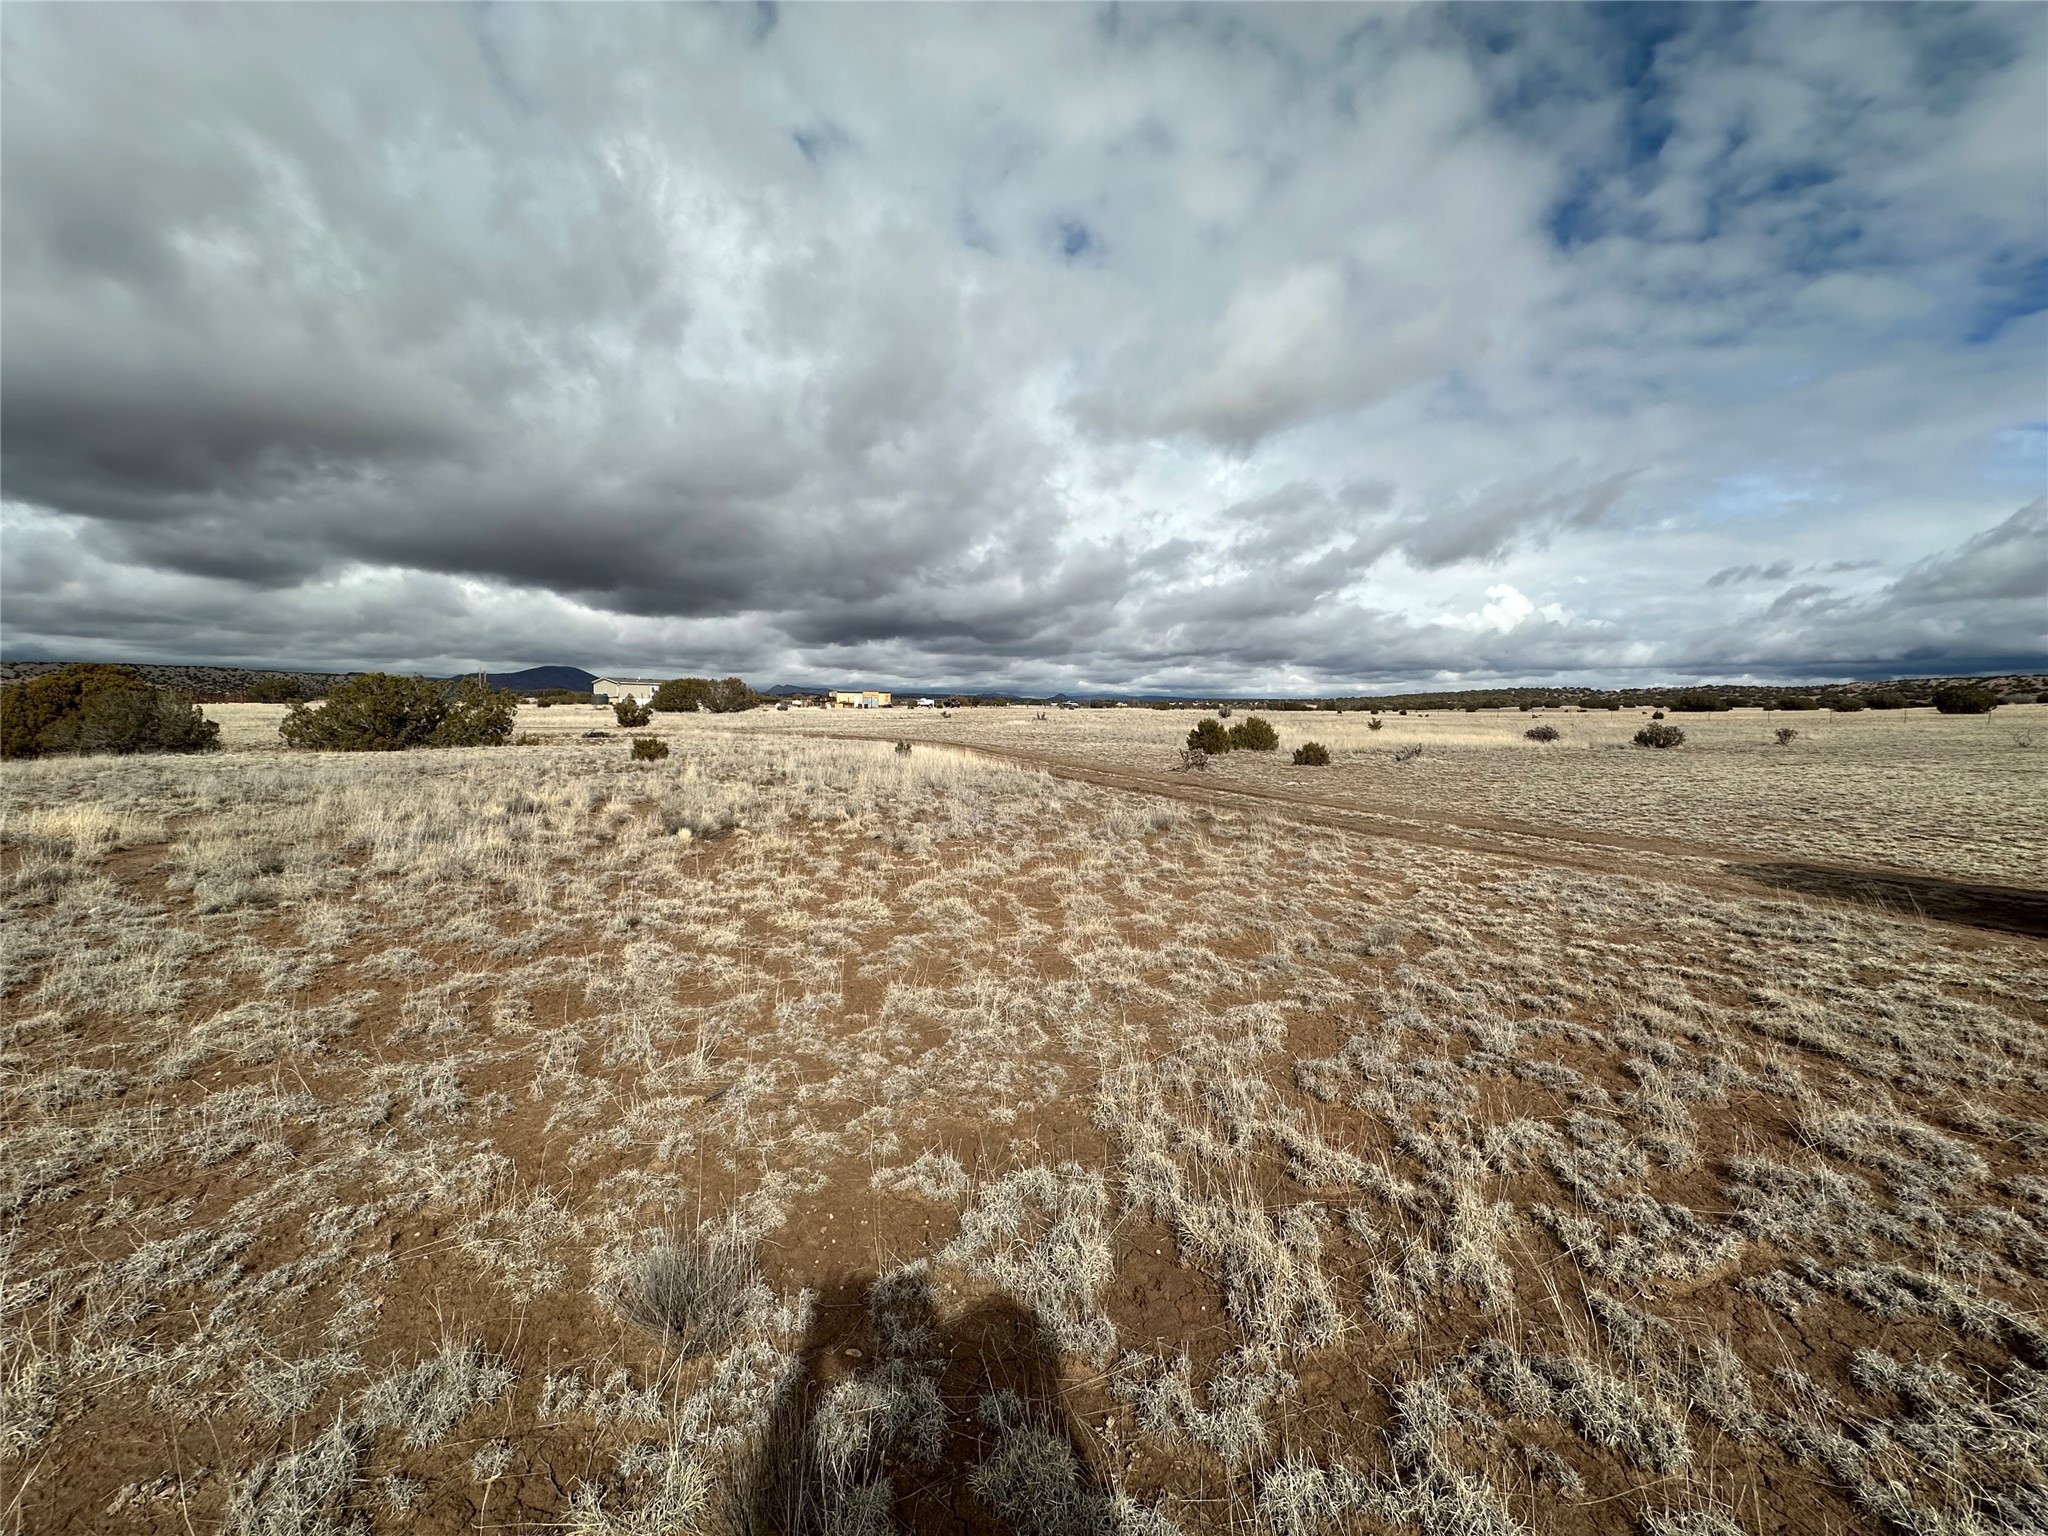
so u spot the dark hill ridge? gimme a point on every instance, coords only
(207, 681)
(534, 679)
(202, 681)
(231, 682)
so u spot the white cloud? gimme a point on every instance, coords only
(1219, 346)
(1504, 610)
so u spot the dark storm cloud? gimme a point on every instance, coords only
(1487, 524)
(1778, 570)
(1263, 346)
(2005, 563)
(1986, 597)
(1728, 575)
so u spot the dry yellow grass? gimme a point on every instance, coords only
(797, 1134)
(1965, 795)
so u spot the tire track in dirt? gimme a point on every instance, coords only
(1907, 895)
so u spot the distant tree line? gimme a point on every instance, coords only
(269, 685)
(281, 688)
(1846, 698)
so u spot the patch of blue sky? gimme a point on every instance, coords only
(1457, 396)
(2017, 458)
(1076, 239)
(1743, 384)
(1954, 47)
(820, 142)
(1577, 218)
(1752, 495)
(2016, 287)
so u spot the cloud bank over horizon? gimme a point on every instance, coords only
(1263, 350)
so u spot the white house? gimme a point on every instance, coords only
(612, 689)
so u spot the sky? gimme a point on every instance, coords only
(1148, 348)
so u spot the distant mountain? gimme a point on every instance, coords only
(533, 679)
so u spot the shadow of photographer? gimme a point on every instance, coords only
(896, 1419)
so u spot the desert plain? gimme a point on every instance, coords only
(972, 1122)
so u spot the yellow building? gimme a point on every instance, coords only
(870, 699)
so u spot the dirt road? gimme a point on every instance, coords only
(1906, 894)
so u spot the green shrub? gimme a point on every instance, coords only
(1795, 701)
(478, 715)
(135, 720)
(649, 749)
(1886, 699)
(680, 695)
(1654, 735)
(1700, 704)
(1311, 754)
(630, 713)
(29, 709)
(1542, 733)
(1786, 735)
(732, 696)
(1210, 736)
(378, 712)
(1965, 699)
(1375, 724)
(1846, 704)
(276, 690)
(1252, 734)
(88, 707)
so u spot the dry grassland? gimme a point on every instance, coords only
(800, 1135)
(1957, 795)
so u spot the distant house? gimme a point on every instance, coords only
(610, 690)
(867, 699)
